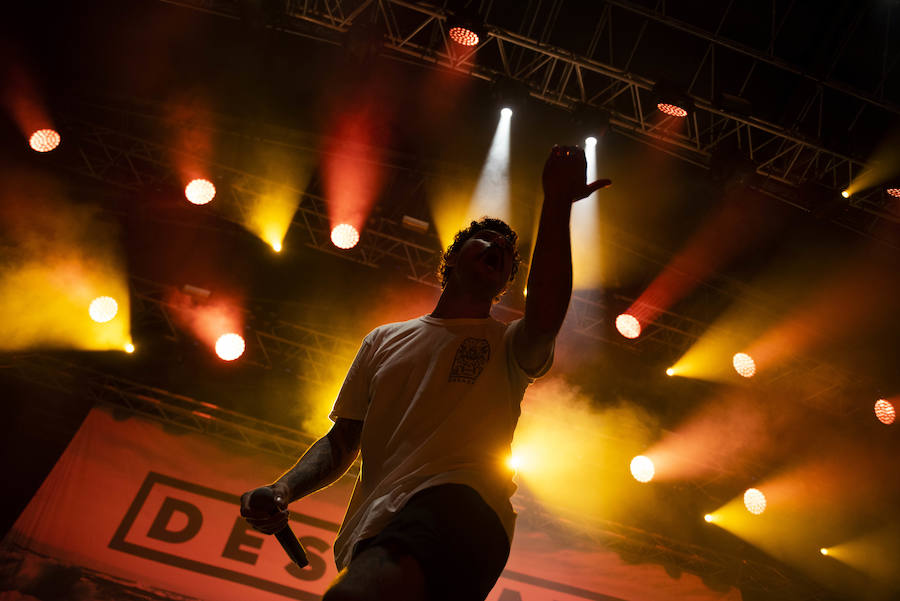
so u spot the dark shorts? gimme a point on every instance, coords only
(455, 536)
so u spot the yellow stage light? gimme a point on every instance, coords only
(44, 140)
(200, 191)
(103, 309)
(670, 372)
(710, 518)
(628, 325)
(642, 469)
(129, 348)
(755, 501)
(229, 346)
(744, 365)
(846, 193)
(823, 551)
(276, 246)
(514, 462)
(885, 412)
(344, 236)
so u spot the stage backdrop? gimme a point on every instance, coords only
(134, 509)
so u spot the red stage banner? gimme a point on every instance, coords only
(137, 509)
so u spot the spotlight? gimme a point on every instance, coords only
(670, 372)
(590, 120)
(671, 100)
(344, 236)
(276, 246)
(129, 348)
(44, 140)
(590, 141)
(200, 191)
(744, 365)
(509, 93)
(628, 325)
(754, 501)
(514, 462)
(709, 518)
(103, 309)
(465, 28)
(845, 193)
(893, 190)
(229, 346)
(823, 551)
(642, 469)
(506, 112)
(885, 412)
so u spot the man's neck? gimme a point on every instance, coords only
(459, 305)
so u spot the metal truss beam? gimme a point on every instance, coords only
(783, 158)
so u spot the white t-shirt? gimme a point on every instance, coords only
(439, 399)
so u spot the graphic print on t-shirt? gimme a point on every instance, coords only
(470, 358)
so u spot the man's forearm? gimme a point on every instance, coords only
(550, 275)
(322, 464)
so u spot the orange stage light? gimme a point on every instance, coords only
(44, 140)
(103, 309)
(200, 191)
(885, 412)
(744, 365)
(628, 325)
(755, 501)
(672, 110)
(344, 236)
(895, 192)
(463, 36)
(229, 346)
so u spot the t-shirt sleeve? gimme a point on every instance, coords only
(353, 400)
(528, 376)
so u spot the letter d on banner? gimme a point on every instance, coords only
(160, 527)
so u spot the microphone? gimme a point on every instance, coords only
(263, 498)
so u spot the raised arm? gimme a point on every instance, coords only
(550, 275)
(322, 464)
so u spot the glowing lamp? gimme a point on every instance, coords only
(44, 140)
(823, 551)
(103, 309)
(506, 112)
(670, 372)
(229, 346)
(709, 518)
(514, 462)
(744, 365)
(894, 191)
(129, 348)
(885, 412)
(642, 469)
(672, 110)
(276, 246)
(754, 501)
(590, 141)
(628, 325)
(344, 236)
(463, 36)
(845, 193)
(200, 191)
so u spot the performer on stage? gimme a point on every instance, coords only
(432, 404)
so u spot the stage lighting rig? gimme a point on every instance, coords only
(671, 100)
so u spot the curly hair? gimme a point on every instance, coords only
(485, 223)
